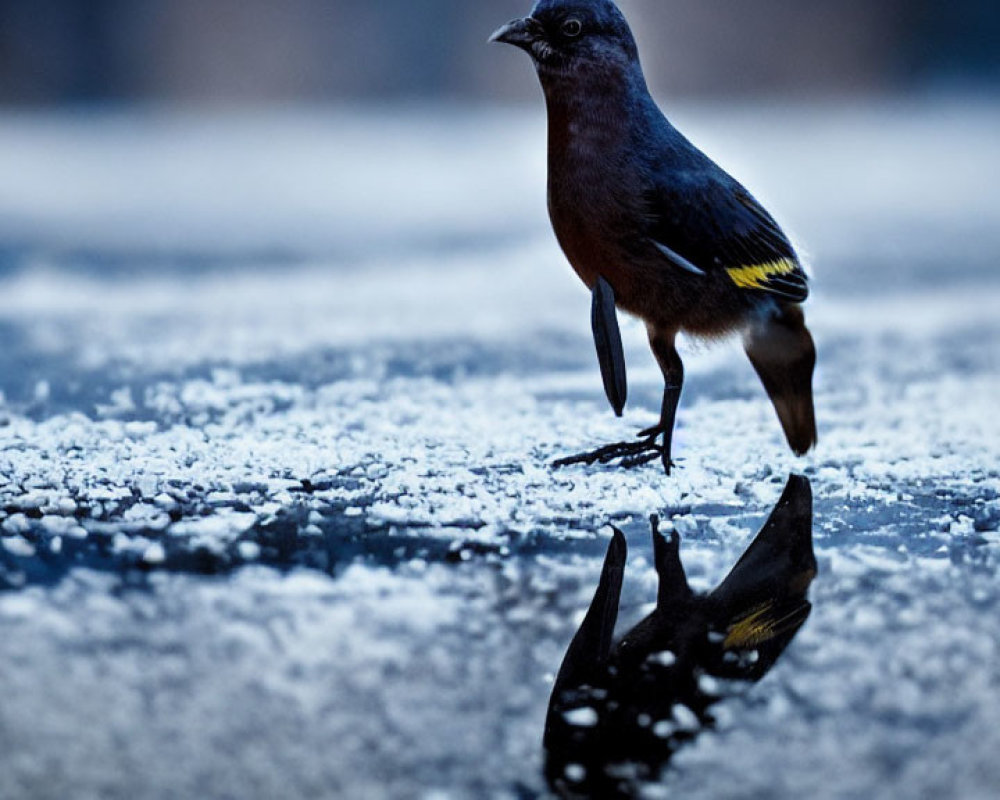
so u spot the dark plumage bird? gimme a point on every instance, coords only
(654, 227)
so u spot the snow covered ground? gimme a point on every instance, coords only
(278, 397)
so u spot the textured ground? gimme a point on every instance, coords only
(277, 402)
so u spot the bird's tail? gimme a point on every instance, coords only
(782, 351)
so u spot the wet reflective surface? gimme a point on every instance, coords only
(277, 517)
(619, 711)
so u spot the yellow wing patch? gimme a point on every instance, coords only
(757, 275)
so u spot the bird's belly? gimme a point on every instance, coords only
(588, 252)
(590, 222)
(645, 284)
(593, 242)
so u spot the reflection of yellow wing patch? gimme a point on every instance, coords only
(757, 276)
(763, 624)
(752, 630)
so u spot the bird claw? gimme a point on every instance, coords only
(629, 455)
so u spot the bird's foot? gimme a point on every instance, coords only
(628, 455)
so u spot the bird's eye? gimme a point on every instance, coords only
(572, 28)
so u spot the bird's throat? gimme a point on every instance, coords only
(581, 127)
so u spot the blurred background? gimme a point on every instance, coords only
(279, 289)
(293, 51)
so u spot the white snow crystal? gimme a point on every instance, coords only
(17, 546)
(582, 717)
(155, 554)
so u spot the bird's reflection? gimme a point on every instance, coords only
(619, 711)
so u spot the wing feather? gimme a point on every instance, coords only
(705, 221)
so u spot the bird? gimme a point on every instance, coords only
(614, 701)
(655, 228)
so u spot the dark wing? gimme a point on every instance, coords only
(590, 649)
(610, 352)
(703, 221)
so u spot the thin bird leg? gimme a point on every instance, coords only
(630, 455)
(665, 427)
(664, 348)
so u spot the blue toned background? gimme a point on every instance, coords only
(286, 349)
(64, 51)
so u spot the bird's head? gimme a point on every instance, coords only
(567, 37)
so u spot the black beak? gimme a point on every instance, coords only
(521, 33)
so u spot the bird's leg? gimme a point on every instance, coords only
(665, 427)
(647, 449)
(663, 344)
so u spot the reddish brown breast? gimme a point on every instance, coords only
(589, 205)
